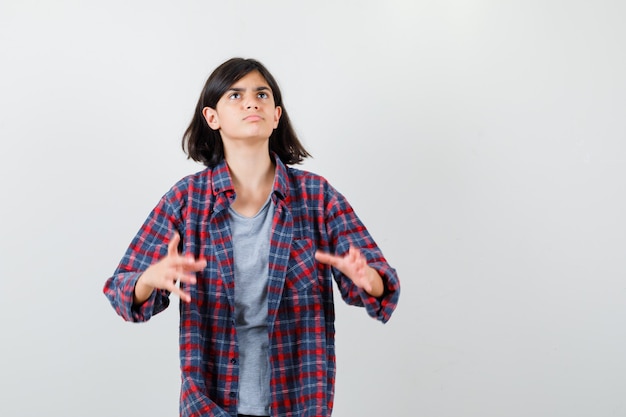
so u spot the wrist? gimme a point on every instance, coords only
(376, 283)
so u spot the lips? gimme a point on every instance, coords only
(253, 118)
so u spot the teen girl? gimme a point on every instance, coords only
(251, 246)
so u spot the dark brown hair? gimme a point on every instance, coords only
(203, 144)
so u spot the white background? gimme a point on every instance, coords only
(483, 143)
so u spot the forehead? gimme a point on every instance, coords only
(252, 79)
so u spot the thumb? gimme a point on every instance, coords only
(172, 246)
(324, 258)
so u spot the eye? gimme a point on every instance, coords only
(263, 95)
(234, 96)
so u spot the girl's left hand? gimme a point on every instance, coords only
(354, 266)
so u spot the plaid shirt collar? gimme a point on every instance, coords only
(223, 184)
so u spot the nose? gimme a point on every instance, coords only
(251, 103)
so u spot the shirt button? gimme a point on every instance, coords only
(233, 361)
(232, 394)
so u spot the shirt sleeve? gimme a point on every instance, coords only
(344, 228)
(147, 247)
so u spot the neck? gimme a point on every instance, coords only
(253, 177)
(250, 169)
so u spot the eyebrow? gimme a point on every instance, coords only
(238, 89)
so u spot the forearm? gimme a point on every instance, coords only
(120, 291)
(142, 292)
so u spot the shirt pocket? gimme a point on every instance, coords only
(301, 270)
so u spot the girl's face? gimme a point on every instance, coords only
(246, 111)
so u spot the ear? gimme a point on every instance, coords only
(211, 117)
(278, 111)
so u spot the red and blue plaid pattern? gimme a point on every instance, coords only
(310, 215)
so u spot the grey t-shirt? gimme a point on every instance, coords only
(251, 244)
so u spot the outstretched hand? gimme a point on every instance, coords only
(164, 274)
(354, 266)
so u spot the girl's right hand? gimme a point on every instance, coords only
(167, 272)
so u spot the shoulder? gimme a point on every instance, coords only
(302, 185)
(307, 178)
(309, 186)
(201, 179)
(196, 183)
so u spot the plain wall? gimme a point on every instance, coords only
(483, 143)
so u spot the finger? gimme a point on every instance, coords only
(359, 259)
(182, 294)
(189, 278)
(355, 254)
(172, 247)
(325, 258)
(188, 264)
(174, 289)
(195, 265)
